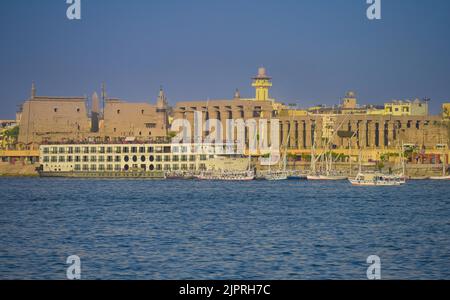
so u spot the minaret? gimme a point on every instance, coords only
(237, 94)
(33, 90)
(262, 83)
(161, 103)
(162, 109)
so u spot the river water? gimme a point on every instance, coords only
(124, 229)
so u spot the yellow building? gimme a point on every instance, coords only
(446, 111)
(406, 108)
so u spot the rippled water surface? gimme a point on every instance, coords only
(215, 230)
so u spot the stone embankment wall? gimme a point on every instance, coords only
(18, 169)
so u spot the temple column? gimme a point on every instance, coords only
(308, 134)
(391, 134)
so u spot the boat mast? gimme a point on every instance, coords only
(444, 163)
(360, 161)
(313, 159)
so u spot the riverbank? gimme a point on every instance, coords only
(18, 170)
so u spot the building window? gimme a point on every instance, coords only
(55, 110)
(118, 111)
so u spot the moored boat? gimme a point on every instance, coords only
(276, 176)
(376, 179)
(227, 176)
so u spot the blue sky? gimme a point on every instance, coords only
(197, 49)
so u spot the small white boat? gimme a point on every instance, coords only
(444, 170)
(377, 179)
(227, 176)
(276, 176)
(440, 178)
